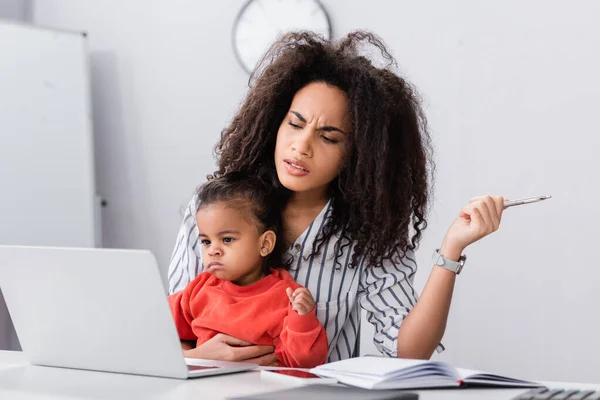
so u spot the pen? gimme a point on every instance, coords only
(525, 201)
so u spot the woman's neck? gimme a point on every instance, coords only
(300, 211)
(306, 202)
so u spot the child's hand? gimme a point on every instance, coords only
(301, 300)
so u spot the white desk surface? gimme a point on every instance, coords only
(20, 381)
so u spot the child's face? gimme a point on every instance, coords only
(312, 138)
(232, 248)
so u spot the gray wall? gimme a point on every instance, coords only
(165, 81)
(511, 93)
(16, 10)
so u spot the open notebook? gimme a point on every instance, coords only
(397, 373)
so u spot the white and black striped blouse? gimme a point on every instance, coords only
(385, 292)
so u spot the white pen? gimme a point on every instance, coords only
(525, 201)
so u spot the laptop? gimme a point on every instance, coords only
(96, 309)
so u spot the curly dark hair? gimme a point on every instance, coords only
(256, 201)
(380, 198)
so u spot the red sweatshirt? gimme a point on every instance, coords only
(259, 313)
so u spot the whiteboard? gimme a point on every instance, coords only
(46, 150)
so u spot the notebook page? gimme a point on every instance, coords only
(372, 366)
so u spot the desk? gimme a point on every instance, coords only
(20, 381)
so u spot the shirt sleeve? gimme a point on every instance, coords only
(181, 307)
(186, 260)
(386, 293)
(303, 341)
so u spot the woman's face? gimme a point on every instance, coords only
(311, 139)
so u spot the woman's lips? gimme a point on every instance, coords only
(296, 167)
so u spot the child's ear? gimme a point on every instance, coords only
(267, 243)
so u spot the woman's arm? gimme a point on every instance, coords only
(423, 328)
(228, 348)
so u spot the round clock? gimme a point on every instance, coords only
(260, 22)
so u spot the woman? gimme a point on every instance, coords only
(346, 146)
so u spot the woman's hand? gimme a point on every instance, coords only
(301, 300)
(228, 348)
(476, 220)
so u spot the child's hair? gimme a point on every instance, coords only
(380, 197)
(256, 202)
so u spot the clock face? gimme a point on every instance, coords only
(261, 22)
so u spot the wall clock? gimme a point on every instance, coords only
(260, 22)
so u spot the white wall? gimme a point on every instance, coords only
(511, 91)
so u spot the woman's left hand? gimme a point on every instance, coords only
(476, 220)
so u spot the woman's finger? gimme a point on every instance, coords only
(466, 211)
(266, 359)
(232, 341)
(496, 204)
(486, 214)
(476, 218)
(244, 353)
(475, 199)
(491, 202)
(499, 203)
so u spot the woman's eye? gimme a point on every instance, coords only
(328, 139)
(293, 125)
(227, 240)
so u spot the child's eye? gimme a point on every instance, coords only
(227, 240)
(205, 242)
(293, 125)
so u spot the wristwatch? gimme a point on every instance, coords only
(454, 266)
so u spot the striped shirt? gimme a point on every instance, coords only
(385, 292)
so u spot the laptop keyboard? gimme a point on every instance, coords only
(559, 394)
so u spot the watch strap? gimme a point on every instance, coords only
(454, 266)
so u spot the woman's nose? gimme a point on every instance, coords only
(302, 143)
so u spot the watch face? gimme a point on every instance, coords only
(261, 22)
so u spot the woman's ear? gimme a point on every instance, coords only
(267, 243)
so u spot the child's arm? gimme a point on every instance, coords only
(303, 341)
(181, 308)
